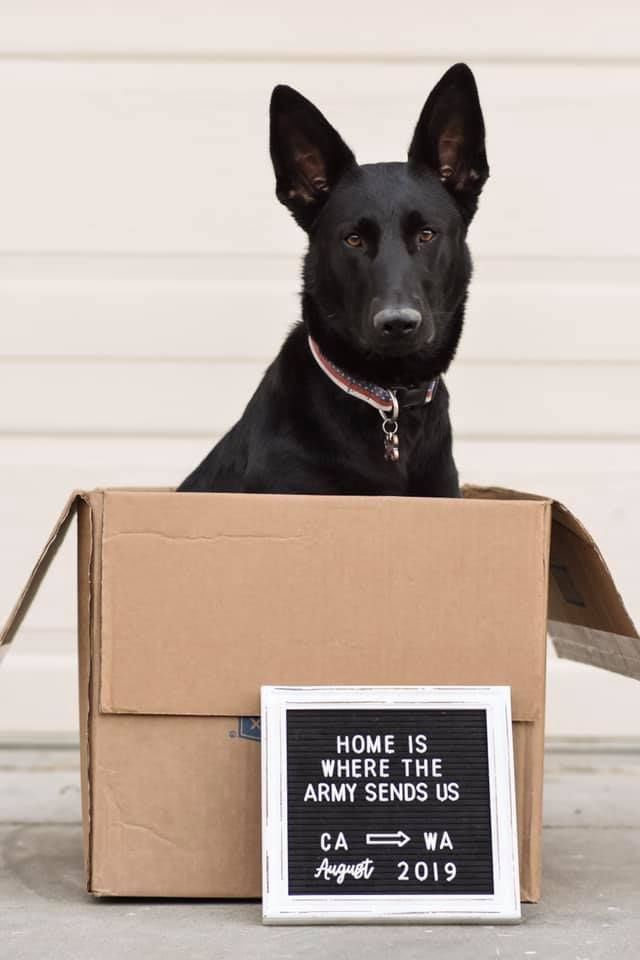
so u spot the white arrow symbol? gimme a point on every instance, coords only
(397, 839)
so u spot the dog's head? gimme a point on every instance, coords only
(387, 269)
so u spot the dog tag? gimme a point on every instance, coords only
(391, 441)
(391, 448)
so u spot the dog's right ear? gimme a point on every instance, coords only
(308, 155)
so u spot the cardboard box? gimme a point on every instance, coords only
(187, 603)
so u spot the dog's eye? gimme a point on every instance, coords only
(353, 240)
(425, 235)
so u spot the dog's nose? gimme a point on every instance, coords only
(396, 322)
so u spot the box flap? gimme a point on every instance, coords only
(205, 597)
(39, 571)
(587, 618)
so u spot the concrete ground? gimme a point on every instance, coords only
(590, 909)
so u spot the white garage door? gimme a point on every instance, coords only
(147, 273)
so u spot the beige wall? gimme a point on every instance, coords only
(147, 273)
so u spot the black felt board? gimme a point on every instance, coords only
(457, 737)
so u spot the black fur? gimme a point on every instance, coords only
(300, 433)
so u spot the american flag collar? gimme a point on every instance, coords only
(384, 399)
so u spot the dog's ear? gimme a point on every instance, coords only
(308, 155)
(449, 137)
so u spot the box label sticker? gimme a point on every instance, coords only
(249, 728)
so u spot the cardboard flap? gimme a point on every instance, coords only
(587, 618)
(38, 573)
(588, 621)
(204, 597)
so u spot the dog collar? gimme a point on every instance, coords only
(385, 399)
(388, 401)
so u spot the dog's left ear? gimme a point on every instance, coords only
(449, 138)
(308, 155)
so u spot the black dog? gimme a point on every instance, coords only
(385, 283)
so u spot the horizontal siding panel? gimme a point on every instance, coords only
(571, 686)
(162, 307)
(171, 157)
(207, 308)
(197, 27)
(88, 397)
(192, 398)
(599, 482)
(39, 692)
(38, 696)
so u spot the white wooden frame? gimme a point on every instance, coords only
(279, 907)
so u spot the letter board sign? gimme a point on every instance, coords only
(388, 803)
